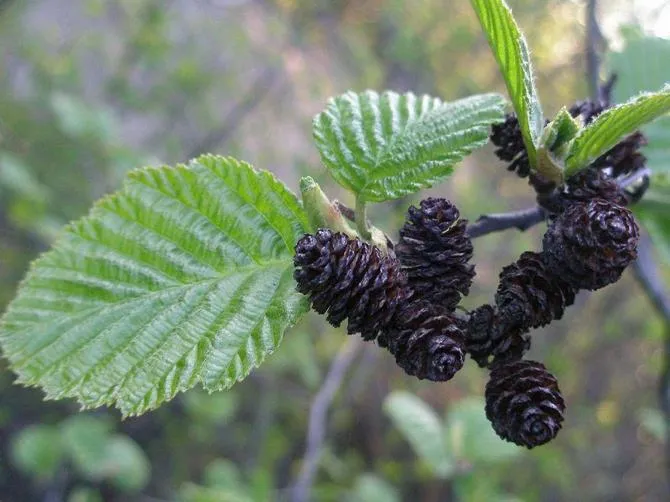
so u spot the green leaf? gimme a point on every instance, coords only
(511, 52)
(642, 64)
(610, 126)
(182, 277)
(383, 147)
(470, 436)
(38, 450)
(422, 428)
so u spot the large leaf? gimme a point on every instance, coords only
(643, 64)
(422, 428)
(612, 125)
(511, 52)
(184, 276)
(386, 146)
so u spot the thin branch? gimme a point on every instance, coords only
(521, 220)
(318, 416)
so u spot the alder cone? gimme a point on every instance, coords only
(591, 243)
(624, 157)
(427, 341)
(531, 295)
(508, 139)
(492, 338)
(524, 403)
(435, 251)
(593, 184)
(588, 109)
(349, 279)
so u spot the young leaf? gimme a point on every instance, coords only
(383, 147)
(182, 277)
(612, 125)
(511, 52)
(422, 428)
(642, 64)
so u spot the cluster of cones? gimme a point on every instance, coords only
(405, 298)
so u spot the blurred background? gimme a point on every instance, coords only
(90, 89)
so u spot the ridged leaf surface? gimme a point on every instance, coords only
(511, 52)
(642, 64)
(613, 125)
(383, 147)
(182, 277)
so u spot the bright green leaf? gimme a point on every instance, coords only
(182, 277)
(38, 450)
(511, 52)
(643, 64)
(422, 428)
(612, 125)
(470, 436)
(383, 147)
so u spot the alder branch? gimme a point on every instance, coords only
(318, 417)
(521, 220)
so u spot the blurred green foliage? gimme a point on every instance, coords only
(90, 89)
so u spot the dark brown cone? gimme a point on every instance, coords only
(625, 157)
(530, 295)
(588, 110)
(511, 148)
(427, 341)
(524, 403)
(349, 279)
(591, 243)
(593, 184)
(492, 338)
(434, 250)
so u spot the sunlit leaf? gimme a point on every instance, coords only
(182, 277)
(608, 128)
(643, 64)
(511, 52)
(383, 147)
